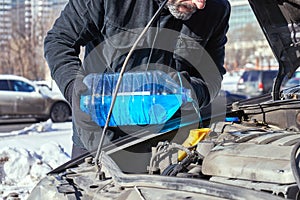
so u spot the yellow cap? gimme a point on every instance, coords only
(195, 136)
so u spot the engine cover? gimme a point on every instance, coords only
(255, 162)
(263, 156)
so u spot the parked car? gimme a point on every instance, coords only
(230, 81)
(51, 85)
(256, 82)
(21, 98)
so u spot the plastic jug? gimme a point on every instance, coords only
(144, 98)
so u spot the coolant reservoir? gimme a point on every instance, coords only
(195, 136)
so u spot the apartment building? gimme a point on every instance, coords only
(24, 18)
(247, 44)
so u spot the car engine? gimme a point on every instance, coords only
(255, 155)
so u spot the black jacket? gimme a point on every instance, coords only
(108, 28)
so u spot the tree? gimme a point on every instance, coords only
(26, 52)
(22, 52)
(242, 44)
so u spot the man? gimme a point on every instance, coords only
(90, 23)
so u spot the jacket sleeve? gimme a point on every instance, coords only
(72, 29)
(216, 44)
(208, 86)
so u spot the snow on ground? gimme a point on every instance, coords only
(29, 154)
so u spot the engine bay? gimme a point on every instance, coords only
(252, 157)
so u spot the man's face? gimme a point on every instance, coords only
(183, 9)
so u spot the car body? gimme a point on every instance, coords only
(252, 155)
(256, 82)
(21, 98)
(230, 81)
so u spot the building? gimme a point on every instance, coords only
(5, 22)
(24, 19)
(241, 14)
(246, 41)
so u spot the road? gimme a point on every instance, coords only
(14, 125)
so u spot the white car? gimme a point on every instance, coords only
(22, 98)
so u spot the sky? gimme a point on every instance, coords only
(27, 155)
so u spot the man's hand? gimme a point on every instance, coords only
(82, 119)
(181, 78)
(88, 131)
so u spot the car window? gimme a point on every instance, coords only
(244, 77)
(20, 86)
(253, 76)
(4, 85)
(269, 75)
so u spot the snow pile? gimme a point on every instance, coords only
(21, 168)
(34, 128)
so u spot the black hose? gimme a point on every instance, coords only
(277, 84)
(169, 170)
(295, 163)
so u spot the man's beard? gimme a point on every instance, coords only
(174, 10)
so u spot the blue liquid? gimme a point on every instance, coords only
(232, 119)
(132, 109)
(144, 98)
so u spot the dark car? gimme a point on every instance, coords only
(256, 82)
(22, 98)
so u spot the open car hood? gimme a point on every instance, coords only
(280, 22)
